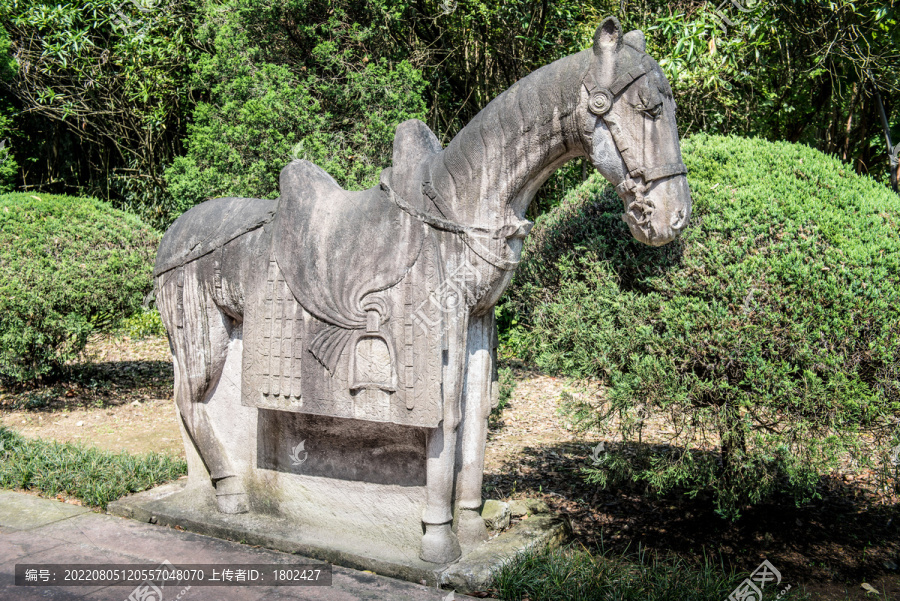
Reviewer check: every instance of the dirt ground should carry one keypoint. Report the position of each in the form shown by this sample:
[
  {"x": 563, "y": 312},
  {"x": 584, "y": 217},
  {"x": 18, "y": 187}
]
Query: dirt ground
[{"x": 121, "y": 399}]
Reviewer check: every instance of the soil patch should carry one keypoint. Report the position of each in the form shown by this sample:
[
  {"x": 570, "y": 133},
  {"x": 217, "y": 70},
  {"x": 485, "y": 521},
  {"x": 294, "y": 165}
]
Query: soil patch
[{"x": 118, "y": 398}]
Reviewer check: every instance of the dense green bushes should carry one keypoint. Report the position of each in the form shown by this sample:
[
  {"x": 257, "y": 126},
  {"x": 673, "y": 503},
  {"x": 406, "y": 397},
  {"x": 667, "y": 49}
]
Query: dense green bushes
[
  {"x": 332, "y": 104},
  {"x": 68, "y": 266},
  {"x": 770, "y": 329}
]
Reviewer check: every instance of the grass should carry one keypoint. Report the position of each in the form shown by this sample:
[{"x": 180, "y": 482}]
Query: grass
[
  {"x": 94, "y": 476},
  {"x": 577, "y": 575}
]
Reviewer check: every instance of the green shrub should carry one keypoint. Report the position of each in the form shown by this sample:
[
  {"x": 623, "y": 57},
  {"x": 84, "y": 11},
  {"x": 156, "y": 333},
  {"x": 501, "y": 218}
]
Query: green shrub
[
  {"x": 8, "y": 165},
  {"x": 770, "y": 329},
  {"x": 68, "y": 267},
  {"x": 96, "y": 477},
  {"x": 144, "y": 323}
]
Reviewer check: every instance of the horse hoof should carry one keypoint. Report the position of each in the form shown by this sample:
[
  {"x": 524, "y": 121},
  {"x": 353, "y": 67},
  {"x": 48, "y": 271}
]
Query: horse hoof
[
  {"x": 439, "y": 544},
  {"x": 233, "y": 503},
  {"x": 470, "y": 527},
  {"x": 230, "y": 496}
]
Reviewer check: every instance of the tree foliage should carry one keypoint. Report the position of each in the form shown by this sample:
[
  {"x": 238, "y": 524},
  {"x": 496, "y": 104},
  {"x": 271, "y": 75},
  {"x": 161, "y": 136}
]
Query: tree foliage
[
  {"x": 806, "y": 71},
  {"x": 111, "y": 75},
  {"x": 337, "y": 107},
  {"x": 105, "y": 90},
  {"x": 8, "y": 165}
]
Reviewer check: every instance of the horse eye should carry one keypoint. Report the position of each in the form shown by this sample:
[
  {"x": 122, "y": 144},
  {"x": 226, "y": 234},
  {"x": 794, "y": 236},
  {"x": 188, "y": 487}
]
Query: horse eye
[{"x": 653, "y": 112}]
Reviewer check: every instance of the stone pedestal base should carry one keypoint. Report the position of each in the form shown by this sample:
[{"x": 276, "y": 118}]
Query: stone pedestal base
[{"x": 194, "y": 509}]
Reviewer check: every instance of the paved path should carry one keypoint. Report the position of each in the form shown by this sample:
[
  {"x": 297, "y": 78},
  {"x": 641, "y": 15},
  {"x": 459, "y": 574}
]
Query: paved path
[{"x": 34, "y": 530}]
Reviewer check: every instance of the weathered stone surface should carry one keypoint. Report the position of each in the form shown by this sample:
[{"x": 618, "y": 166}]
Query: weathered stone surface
[
  {"x": 495, "y": 514},
  {"x": 470, "y": 528},
  {"x": 335, "y": 351},
  {"x": 520, "y": 507},
  {"x": 24, "y": 512},
  {"x": 174, "y": 504},
  {"x": 92, "y": 538},
  {"x": 475, "y": 571}
]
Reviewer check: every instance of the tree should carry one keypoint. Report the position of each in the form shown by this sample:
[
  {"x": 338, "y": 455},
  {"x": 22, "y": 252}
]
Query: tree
[
  {"x": 112, "y": 75},
  {"x": 8, "y": 166},
  {"x": 803, "y": 72},
  {"x": 285, "y": 84}
]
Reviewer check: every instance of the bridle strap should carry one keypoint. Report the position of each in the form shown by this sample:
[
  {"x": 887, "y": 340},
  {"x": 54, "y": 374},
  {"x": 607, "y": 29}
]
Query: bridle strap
[
  {"x": 615, "y": 89},
  {"x": 628, "y": 78},
  {"x": 620, "y": 84},
  {"x": 469, "y": 234},
  {"x": 664, "y": 171}
]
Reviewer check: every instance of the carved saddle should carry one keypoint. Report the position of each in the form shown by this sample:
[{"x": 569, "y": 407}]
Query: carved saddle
[{"x": 344, "y": 324}]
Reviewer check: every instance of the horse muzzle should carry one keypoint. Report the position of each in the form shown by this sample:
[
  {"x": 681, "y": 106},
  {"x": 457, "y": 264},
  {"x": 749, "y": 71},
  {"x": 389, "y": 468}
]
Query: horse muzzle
[{"x": 657, "y": 213}]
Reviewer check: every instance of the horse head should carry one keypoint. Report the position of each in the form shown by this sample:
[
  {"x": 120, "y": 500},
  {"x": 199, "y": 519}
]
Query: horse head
[{"x": 630, "y": 134}]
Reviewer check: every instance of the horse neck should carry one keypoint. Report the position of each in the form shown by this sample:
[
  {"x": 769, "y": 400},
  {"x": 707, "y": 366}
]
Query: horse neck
[{"x": 494, "y": 166}]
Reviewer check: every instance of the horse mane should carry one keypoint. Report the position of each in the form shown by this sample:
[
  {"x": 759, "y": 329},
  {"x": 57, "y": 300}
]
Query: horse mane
[{"x": 503, "y": 135}]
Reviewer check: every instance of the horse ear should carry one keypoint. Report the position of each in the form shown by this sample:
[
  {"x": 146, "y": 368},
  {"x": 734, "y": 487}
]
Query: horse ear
[
  {"x": 636, "y": 40},
  {"x": 608, "y": 36}
]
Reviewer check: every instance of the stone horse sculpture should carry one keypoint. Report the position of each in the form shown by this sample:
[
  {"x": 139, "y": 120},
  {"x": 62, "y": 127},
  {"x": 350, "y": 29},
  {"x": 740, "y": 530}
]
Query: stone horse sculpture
[{"x": 375, "y": 308}]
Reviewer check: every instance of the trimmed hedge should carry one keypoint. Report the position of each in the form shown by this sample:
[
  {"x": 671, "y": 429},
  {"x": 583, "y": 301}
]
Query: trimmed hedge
[
  {"x": 771, "y": 327},
  {"x": 68, "y": 267}
]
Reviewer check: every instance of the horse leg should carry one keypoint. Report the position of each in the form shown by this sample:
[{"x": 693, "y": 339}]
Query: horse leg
[
  {"x": 199, "y": 333},
  {"x": 439, "y": 543},
  {"x": 478, "y": 392}
]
